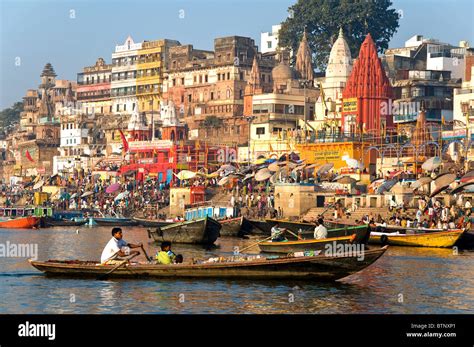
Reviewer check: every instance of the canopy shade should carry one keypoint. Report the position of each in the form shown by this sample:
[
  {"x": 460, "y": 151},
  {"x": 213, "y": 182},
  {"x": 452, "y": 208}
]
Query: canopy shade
[
  {"x": 431, "y": 164},
  {"x": 112, "y": 188}
]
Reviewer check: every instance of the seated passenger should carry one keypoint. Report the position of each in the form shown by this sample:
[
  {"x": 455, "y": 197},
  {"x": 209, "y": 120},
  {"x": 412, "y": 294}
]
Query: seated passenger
[{"x": 166, "y": 255}]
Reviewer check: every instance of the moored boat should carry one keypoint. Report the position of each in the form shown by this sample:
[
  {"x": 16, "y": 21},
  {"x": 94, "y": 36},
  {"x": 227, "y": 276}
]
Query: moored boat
[
  {"x": 201, "y": 231},
  {"x": 319, "y": 267},
  {"x": 114, "y": 221},
  {"x": 305, "y": 245},
  {"x": 422, "y": 239},
  {"x": 255, "y": 226},
  {"x": 28, "y": 222},
  {"x": 54, "y": 222},
  {"x": 362, "y": 231},
  {"x": 151, "y": 223},
  {"x": 231, "y": 226}
]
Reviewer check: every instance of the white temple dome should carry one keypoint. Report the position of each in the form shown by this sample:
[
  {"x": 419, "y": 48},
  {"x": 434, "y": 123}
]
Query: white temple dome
[{"x": 340, "y": 61}]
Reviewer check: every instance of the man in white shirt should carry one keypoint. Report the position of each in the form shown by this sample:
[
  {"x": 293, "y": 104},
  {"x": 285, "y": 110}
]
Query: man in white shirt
[
  {"x": 117, "y": 249},
  {"x": 277, "y": 234},
  {"x": 320, "y": 232}
]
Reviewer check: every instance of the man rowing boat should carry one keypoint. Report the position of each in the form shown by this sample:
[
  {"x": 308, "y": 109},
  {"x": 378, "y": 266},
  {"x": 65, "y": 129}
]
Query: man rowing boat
[
  {"x": 117, "y": 249},
  {"x": 277, "y": 233}
]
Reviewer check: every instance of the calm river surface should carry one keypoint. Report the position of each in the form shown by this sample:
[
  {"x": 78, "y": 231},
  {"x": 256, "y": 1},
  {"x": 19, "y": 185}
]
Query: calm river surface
[{"x": 404, "y": 280}]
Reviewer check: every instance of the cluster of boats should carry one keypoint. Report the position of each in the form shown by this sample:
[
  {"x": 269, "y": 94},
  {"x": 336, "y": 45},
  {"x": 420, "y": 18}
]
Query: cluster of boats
[{"x": 301, "y": 256}]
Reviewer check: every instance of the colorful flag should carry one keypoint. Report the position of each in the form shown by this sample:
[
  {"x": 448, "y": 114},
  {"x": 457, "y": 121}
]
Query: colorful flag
[
  {"x": 124, "y": 141},
  {"x": 28, "y": 155}
]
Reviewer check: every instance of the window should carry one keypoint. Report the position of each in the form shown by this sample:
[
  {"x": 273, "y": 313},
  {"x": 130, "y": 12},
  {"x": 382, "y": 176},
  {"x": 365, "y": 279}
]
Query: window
[
  {"x": 133, "y": 107},
  {"x": 260, "y": 131},
  {"x": 174, "y": 82},
  {"x": 228, "y": 57},
  {"x": 118, "y": 108},
  {"x": 189, "y": 97},
  {"x": 212, "y": 95},
  {"x": 228, "y": 75},
  {"x": 206, "y": 79},
  {"x": 200, "y": 78},
  {"x": 269, "y": 44},
  {"x": 195, "y": 79},
  {"x": 182, "y": 98},
  {"x": 182, "y": 81},
  {"x": 227, "y": 94},
  {"x": 241, "y": 76},
  {"x": 219, "y": 58},
  {"x": 125, "y": 107},
  {"x": 241, "y": 94}
]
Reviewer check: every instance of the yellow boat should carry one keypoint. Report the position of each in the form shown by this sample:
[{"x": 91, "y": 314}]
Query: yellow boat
[{"x": 426, "y": 239}]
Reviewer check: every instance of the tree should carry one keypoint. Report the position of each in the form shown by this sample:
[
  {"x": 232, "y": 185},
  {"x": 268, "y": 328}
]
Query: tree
[
  {"x": 212, "y": 122},
  {"x": 10, "y": 115},
  {"x": 323, "y": 18}
]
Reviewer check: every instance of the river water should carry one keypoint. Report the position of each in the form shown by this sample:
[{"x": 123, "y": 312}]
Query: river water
[{"x": 404, "y": 280}]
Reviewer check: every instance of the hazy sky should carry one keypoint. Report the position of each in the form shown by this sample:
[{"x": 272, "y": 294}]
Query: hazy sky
[{"x": 37, "y": 31}]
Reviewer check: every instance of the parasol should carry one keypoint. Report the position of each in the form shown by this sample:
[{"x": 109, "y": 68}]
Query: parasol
[
  {"x": 386, "y": 186},
  {"x": 185, "y": 175},
  {"x": 346, "y": 180},
  {"x": 325, "y": 168},
  {"x": 468, "y": 177},
  {"x": 431, "y": 164},
  {"x": 444, "y": 180},
  {"x": 439, "y": 190},
  {"x": 260, "y": 161},
  {"x": 263, "y": 175},
  {"x": 112, "y": 188},
  {"x": 86, "y": 194},
  {"x": 354, "y": 163},
  {"x": 73, "y": 196},
  {"x": 223, "y": 181},
  {"x": 376, "y": 183},
  {"x": 274, "y": 167},
  {"x": 122, "y": 195},
  {"x": 421, "y": 182},
  {"x": 248, "y": 176},
  {"x": 468, "y": 186},
  {"x": 38, "y": 185}
]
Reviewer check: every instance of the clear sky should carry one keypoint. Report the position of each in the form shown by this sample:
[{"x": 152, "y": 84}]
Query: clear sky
[{"x": 71, "y": 34}]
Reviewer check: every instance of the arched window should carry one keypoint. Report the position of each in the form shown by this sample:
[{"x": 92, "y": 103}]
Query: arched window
[{"x": 172, "y": 135}]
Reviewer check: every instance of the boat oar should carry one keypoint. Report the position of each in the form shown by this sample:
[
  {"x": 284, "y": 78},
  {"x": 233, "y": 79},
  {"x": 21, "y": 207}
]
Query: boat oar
[
  {"x": 103, "y": 277},
  {"x": 144, "y": 252},
  {"x": 292, "y": 233},
  {"x": 254, "y": 244}
]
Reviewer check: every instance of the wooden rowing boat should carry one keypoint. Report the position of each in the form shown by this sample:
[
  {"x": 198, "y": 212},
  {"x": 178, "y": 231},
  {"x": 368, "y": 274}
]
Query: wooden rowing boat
[
  {"x": 466, "y": 240},
  {"x": 320, "y": 267},
  {"x": 255, "y": 226},
  {"x": 362, "y": 231},
  {"x": 231, "y": 227},
  {"x": 28, "y": 222},
  {"x": 305, "y": 245},
  {"x": 114, "y": 221},
  {"x": 426, "y": 239},
  {"x": 151, "y": 223},
  {"x": 201, "y": 231},
  {"x": 53, "y": 222}
]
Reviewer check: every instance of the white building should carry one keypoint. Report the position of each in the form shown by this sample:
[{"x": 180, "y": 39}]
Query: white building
[
  {"x": 269, "y": 40},
  {"x": 124, "y": 77},
  {"x": 329, "y": 104}
]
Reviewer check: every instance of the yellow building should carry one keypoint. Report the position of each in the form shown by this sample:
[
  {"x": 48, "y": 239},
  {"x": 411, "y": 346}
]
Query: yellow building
[
  {"x": 150, "y": 66},
  {"x": 333, "y": 152}
]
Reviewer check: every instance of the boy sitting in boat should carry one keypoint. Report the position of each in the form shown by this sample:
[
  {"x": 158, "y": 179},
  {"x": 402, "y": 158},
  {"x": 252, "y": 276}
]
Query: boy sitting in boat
[
  {"x": 277, "y": 233},
  {"x": 166, "y": 255},
  {"x": 117, "y": 249}
]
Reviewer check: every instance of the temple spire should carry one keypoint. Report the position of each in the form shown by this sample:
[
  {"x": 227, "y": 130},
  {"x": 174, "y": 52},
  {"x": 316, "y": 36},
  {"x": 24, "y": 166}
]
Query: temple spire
[
  {"x": 304, "y": 63},
  {"x": 255, "y": 79}
]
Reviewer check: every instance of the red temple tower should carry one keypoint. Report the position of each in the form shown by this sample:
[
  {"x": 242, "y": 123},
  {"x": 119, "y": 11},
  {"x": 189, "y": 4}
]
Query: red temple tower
[{"x": 366, "y": 97}]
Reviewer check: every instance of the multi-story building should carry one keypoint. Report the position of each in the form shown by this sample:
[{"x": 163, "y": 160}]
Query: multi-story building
[
  {"x": 124, "y": 78},
  {"x": 150, "y": 66},
  {"x": 208, "y": 87},
  {"x": 424, "y": 73},
  {"x": 93, "y": 88},
  {"x": 269, "y": 40}
]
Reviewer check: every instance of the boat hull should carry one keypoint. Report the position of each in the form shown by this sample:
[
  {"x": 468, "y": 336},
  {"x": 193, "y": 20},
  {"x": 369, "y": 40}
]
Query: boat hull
[
  {"x": 323, "y": 268},
  {"x": 443, "y": 239},
  {"x": 202, "y": 231},
  {"x": 231, "y": 227},
  {"x": 305, "y": 245},
  {"x": 362, "y": 231},
  {"x": 20, "y": 223},
  {"x": 151, "y": 223},
  {"x": 255, "y": 226},
  {"x": 118, "y": 222},
  {"x": 51, "y": 222}
]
